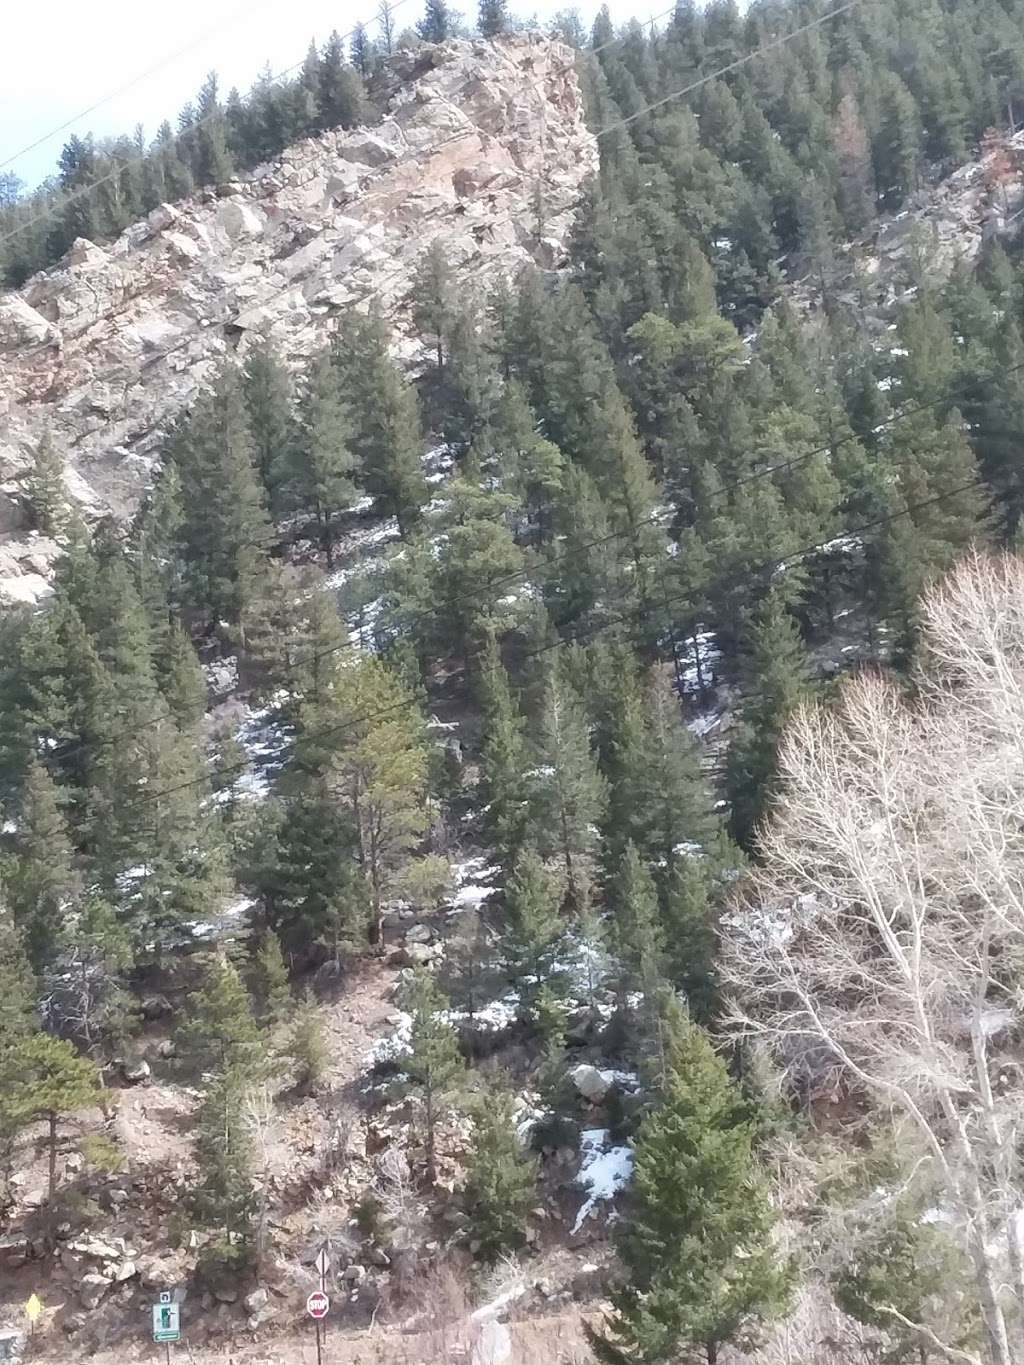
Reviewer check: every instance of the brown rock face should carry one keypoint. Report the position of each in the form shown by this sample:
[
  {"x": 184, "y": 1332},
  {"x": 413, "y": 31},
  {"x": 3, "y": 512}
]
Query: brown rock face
[{"x": 109, "y": 345}]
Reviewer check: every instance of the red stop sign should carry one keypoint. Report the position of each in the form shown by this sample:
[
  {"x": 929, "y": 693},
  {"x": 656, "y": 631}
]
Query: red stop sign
[{"x": 318, "y": 1304}]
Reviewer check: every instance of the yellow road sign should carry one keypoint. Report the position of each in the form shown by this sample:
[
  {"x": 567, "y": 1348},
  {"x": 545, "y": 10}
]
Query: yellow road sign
[{"x": 33, "y": 1309}]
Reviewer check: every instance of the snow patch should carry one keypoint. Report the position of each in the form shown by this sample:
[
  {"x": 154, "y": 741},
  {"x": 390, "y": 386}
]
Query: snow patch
[{"x": 604, "y": 1171}]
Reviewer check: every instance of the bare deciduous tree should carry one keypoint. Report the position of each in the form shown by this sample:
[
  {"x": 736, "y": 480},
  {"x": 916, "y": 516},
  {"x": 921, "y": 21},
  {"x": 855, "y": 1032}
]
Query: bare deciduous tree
[{"x": 884, "y": 934}]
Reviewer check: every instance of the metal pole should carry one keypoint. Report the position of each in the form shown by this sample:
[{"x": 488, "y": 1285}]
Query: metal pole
[
  {"x": 167, "y": 1348},
  {"x": 319, "y": 1357}
]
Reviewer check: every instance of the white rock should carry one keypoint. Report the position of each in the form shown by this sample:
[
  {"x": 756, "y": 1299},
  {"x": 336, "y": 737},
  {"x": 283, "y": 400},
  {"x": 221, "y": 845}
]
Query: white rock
[{"x": 592, "y": 1084}]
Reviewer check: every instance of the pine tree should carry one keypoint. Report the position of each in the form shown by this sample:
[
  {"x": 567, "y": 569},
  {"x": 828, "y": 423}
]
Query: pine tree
[
  {"x": 437, "y": 23},
  {"x": 572, "y": 792},
  {"x": 340, "y": 94},
  {"x": 377, "y": 768},
  {"x": 434, "y": 307},
  {"x": 503, "y": 762},
  {"x": 311, "y": 890},
  {"x": 268, "y": 400},
  {"x": 689, "y": 920},
  {"x": 181, "y": 679},
  {"x": 434, "y": 1061},
  {"x": 308, "y": 1045},
  {"x": 226, "y": 532},
  {"x": 385, "y": 417},
  {"x": 492, "y": 18},
  {"x": 272, "y": 991},
  {"x": 43, "y": 1078},
  {"x": 779, "y": 680},
  {"x": 533, "y": 931},
  {"x": 697, "y": 1248},
  {"x": 638, "y": 930},
  {"x": 42, "y": 879},
  {"x": 325, "y": 481},
  {"x": 222, "y": 1194},
  {"x": 218, "y": 1031},
  {"x": 47, "y": 491},
  {"x": 501, "y": 1181}
]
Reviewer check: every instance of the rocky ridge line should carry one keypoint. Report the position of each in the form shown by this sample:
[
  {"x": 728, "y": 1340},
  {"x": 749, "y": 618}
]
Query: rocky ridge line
[{"x": 108, "y": 346}]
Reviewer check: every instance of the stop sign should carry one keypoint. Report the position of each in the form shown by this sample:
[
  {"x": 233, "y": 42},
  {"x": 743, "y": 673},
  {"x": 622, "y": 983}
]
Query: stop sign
[{"x": 317, "y": 1304}]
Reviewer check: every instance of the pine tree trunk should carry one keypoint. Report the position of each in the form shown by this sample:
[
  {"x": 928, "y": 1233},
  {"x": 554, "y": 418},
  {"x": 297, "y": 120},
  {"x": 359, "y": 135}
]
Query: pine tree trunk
[
  {"x": 712, "y": 1349},
  {"x": 431, "y": 1154}
]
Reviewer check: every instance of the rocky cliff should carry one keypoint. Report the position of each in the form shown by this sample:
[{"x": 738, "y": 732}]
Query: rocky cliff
[{"x": 483, "y": 147}]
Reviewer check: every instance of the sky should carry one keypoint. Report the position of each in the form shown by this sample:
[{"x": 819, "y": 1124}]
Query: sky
[{"x": 62, "y": 57}]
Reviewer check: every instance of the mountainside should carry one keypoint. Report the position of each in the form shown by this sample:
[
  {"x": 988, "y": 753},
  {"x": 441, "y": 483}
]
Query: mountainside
[
  {"x": 476, "y": 814},
  {"x": 483, "y": 148}
]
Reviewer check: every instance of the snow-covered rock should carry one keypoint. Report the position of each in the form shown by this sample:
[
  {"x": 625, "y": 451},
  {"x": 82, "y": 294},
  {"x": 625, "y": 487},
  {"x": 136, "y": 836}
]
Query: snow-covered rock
[{"x": 605, "y": 1171}]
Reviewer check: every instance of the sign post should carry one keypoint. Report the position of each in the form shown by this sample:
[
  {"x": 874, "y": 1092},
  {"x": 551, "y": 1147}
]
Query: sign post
[
  {"x": 33, "y": 1308},
  {"x": 317, "y": 1306},
  {"x": 166, "y": 1322}
]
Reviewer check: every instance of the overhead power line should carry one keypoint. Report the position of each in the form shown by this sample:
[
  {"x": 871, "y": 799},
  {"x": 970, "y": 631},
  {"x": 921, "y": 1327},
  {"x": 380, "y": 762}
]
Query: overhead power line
[
  {"x": 775, "y": 43},
  {"x": 243, "y": 12},
  {"x": 642, "y": 612}
]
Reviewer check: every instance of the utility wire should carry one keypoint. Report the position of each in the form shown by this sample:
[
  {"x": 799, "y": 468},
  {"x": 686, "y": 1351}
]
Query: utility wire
[
  {"x": 243, "y": 12},
  {"x": 546, "y": 567},
  {"x": 639, "y": 113},
  {"x": 83, "y": 190},
  {"x": 587, "y": 633}
]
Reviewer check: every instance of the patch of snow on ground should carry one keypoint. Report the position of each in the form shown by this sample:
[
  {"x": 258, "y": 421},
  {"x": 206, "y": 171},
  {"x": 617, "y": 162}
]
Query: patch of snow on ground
[
  {"x": 232, "y": 922},
  {"x": 395, "y": 1045},
  {"x": 266, "y": 741},
  {"x": 604, "y": 1171},
  {"x": 469, "y": 878}
]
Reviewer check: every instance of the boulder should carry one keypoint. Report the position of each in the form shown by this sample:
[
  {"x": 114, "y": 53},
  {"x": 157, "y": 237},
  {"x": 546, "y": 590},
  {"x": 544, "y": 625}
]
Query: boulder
[
  {"x": 591, "y": 1083},
  {"x": 12, "y": 1344},
  {"x": 354, "y": 1274},
  {"x": 21, "y": 325},
  {"x": 257, "y": 1300},
  {"x": 225, "y": 1293},
  {"x": 418, "y": 933},
  {"x": 136, "y": 1070},
  {"x": 15, "y": 1250},
  {"x": 415, "y": 955},
  {"x": 92, "y": 1289}
]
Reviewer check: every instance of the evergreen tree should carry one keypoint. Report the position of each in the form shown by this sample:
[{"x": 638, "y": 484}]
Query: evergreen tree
[
  {"x": 438, "y": 22},
  {"x": 697, "y": 1248},
  {"x": 43, "y": 1078},
  {"x": 779, "y": 679},
  {"x": 492, "y": 18},
  {"x": 268, "y": 400},
  {"x": 501, "y": 1181},
  {"x": 218, "y": 1031},
  {"x": 47, "y": 491},
  {"x": 638, "y": 931},
  {"x": 308, "y": 1045},
  {"x": 434, "y": 1061},
  {"x": 273, "y": 994},
  {"x": 42, "y": 879},
  {"x": 503, "y": 762},
  {"x": 689, "y": 918},
  {"x": 385, "y": 417},
  {"x": 534, "y": 931},
  {"x": 376, "y": 768},
  {"x": 572, "y": 794},
  {"x": 88, "y": 999},
  {"x": 222, "y": 1195},
  {"x": 226, "y": 531},
  {"x": 325, "y": 475}
]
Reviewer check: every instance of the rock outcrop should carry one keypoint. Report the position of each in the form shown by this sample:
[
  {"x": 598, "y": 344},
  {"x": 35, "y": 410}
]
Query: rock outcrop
[{"x": 479, "y": 141}]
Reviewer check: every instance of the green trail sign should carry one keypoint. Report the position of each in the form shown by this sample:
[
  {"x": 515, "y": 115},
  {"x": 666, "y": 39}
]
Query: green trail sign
[{"x": 166, "y": 1321}]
